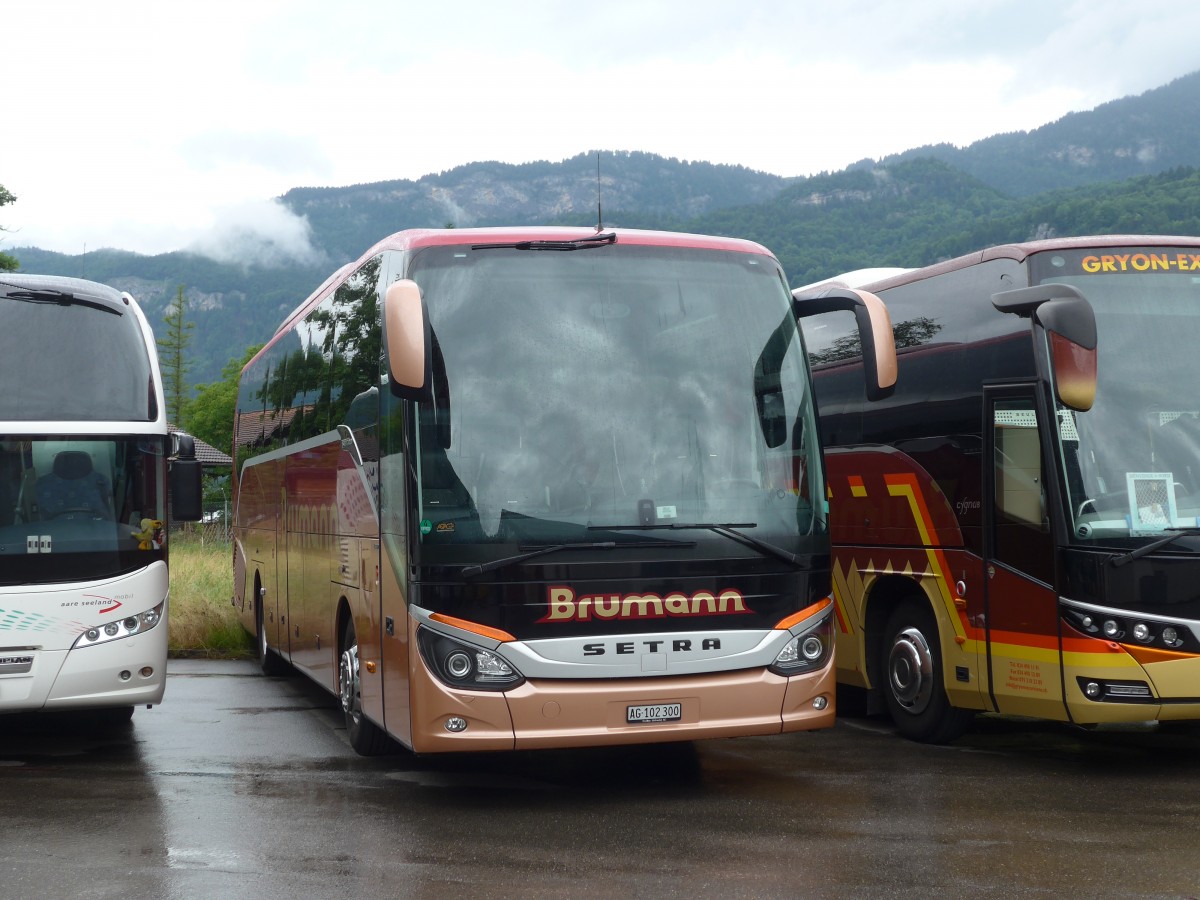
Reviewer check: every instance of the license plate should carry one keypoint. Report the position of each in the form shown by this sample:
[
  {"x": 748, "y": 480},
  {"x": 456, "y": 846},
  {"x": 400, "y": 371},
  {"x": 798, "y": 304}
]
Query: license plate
[{"x": 654, "y": 712}]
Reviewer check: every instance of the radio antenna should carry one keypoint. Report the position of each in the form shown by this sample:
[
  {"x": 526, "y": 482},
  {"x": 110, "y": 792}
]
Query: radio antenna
[{"x": 599, "y": 212}]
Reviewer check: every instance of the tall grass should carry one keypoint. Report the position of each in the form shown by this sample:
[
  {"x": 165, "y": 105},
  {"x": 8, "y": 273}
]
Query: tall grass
[{"x": 202, "y": 621}]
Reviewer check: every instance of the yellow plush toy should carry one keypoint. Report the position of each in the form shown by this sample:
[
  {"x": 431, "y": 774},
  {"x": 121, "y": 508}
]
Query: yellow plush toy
[{"x": 150, "y": 536}]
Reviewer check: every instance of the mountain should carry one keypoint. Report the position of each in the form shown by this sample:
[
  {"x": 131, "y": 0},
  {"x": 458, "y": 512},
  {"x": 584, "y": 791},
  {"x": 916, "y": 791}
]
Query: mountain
[
  {"x": 1144, "y": 135},
  {"x": 347, "y": 220},
  {"x": 1127, "y": 166}
]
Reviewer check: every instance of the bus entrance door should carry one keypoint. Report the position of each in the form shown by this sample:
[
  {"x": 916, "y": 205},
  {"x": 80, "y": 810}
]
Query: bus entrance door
[{"x": 1023, "y": 661}]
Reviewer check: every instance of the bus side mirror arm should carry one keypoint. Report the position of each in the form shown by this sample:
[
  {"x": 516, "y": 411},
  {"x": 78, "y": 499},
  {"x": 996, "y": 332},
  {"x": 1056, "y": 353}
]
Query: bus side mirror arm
[
  {"x": 1070, "y": 325},
  {"x": 874, "y": 331}
]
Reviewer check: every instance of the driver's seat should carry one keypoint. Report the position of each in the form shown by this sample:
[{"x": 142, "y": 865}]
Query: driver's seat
[{"x": 74, "y": 486}]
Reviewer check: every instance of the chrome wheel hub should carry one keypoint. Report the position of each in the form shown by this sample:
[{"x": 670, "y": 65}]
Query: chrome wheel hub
[
  {"x": 348, "y": 680},
  {"x": 910, "y": 671}
]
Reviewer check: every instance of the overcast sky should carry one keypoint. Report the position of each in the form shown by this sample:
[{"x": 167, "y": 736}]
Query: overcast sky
[{"x": 155, "y": 126}]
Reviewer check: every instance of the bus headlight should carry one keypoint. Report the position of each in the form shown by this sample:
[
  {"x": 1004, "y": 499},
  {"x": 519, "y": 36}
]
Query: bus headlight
[
  {"x": 127, "y": 627},
  {"x": 462, "y": 665},
  {"x": 807, "y": 651}
]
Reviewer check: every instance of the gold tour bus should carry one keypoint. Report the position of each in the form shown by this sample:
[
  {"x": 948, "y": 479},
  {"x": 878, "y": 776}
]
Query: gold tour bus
[{"x": 544, "y": 487}]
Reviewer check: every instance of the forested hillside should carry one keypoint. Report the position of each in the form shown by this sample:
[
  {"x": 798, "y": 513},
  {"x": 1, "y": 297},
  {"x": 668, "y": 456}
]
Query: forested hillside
[
  {"x": 347, "y": 220},
  {"x": 1154, "y": 132},
  {"x": 920, "y": 211}
]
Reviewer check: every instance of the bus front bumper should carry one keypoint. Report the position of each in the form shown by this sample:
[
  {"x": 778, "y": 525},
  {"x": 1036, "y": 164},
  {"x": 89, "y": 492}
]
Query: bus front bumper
[
  {"x": 547, "y": 714},
  {"x": 127, "y": 672}
]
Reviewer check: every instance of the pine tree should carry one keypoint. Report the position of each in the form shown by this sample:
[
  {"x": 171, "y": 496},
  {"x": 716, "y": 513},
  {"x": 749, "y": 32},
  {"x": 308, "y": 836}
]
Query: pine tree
[{"x": 172, "y": 356}]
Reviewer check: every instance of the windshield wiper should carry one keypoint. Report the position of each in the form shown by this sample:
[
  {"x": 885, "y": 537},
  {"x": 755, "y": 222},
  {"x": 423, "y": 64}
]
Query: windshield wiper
[
  {"x": 587, "y": 243},
  {"x": 492, "y": 565},
  {"x": 725, "y": 529},
  {"x": 1175, "y": 534},
  {"x": 62, "y": 298}
]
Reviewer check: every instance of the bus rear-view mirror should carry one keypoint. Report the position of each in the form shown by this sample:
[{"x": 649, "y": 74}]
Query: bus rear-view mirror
[
  {"x": 1070, "y": 325},
  {"x": 874, "y": 331},
  {"x": 406, "y": 333}
]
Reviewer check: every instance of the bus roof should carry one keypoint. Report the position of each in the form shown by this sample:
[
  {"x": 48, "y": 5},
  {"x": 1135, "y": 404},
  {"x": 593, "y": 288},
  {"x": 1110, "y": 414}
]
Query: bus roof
[
  {"x": 1018, "y": 251},
  {"x": 78, "y": 287},
  {"x": 415, "y": 238}
]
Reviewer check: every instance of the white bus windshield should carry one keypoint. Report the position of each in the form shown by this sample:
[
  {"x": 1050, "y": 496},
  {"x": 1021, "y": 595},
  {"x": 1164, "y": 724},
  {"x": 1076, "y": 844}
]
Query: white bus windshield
[
  {"x": 78, "y": 508},
  {"x": 71, "y": 357},
  {"x": 609, "y": 387},
  {"x": 1132, "y": 462}
]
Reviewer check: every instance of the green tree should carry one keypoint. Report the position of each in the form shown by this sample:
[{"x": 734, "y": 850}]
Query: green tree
[
  {"x": 172, "y": 354},
  {"x": 210, "y": 413},
  {"x": 8, "y": 263}
]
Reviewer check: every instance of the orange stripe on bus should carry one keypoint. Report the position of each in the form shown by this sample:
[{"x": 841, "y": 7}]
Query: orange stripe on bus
[
  {"x": 785, "y": 624},
  {"x": 1150, "y": 655},
  {"x": 494, "y": 633}
]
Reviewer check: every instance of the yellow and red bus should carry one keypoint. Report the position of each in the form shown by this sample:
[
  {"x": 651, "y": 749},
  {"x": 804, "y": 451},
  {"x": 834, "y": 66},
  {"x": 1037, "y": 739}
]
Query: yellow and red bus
[
  {"x": 544, "y": 487},
  {"x": 1016, "y": 528}
]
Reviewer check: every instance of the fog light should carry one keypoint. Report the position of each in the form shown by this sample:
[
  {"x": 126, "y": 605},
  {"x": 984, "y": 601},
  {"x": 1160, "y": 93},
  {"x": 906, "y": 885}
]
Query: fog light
[
  {"x": 458, "y": 664},
  {"x": 1170, "y": 636},
  {"x": 125, "y": 675},
  {"x": 146, "y": 671},
  {"x": 1092, "y": 690},
  {"x": 455, "y": 724},
  {"x": 1141, "y": 631},
  {"x": 819, "y": 703},
  {"x": 1111, "y": 628}
]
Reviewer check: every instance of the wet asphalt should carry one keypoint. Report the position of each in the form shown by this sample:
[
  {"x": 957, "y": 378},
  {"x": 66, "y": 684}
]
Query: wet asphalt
[{"x": 244, "y": 786}]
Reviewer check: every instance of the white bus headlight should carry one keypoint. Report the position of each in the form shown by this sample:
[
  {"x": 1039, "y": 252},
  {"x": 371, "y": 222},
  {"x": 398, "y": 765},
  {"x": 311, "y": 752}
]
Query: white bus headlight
[{"x": 127, "y": 627}]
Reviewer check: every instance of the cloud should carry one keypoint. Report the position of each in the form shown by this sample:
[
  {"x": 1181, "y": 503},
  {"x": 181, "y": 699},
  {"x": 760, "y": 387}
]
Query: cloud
[{"x": 258, "y": 232}]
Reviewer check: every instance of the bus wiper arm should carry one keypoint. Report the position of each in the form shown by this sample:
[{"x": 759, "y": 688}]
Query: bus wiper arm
[
  {"x": 492, "y": 565},
  {"x": 62, "y": 298},
  {"x": 730, "y": 530},
  {"x": 1175, "y": 534},
  {"x": 587, "y": 243}
]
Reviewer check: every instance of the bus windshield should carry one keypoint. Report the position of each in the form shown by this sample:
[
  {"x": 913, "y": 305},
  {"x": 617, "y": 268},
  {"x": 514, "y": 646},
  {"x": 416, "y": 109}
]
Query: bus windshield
[
  {"x": 78, "y": 508},
  {"x": 71, "y": 357},
  {"x": 612, "y": 388},
  {"x": 1132, "y": 462}
]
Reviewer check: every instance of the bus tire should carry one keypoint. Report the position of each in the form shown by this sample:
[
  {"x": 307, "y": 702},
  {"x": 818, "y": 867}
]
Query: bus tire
[
  {"x": 269, "y": 661},
  {"x": 367, "y": 738},
  {"x": 913, "y": 678}
]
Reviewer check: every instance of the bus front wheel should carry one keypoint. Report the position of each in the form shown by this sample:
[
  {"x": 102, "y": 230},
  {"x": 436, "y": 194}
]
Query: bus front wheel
[
  {"x": 269, "y": 661},
  {"x": 366, "y": 738},
  {"x": 913, "y": 678}
]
